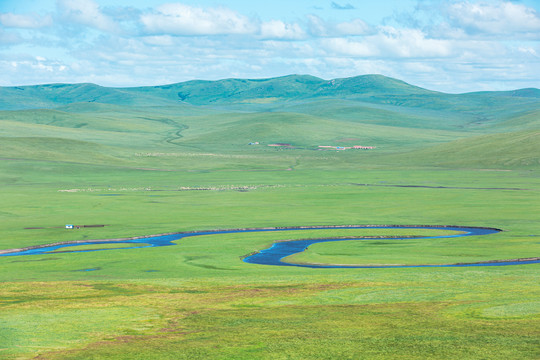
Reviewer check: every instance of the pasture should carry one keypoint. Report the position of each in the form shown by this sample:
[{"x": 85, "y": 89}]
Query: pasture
[{"x": 160, "y": 169}]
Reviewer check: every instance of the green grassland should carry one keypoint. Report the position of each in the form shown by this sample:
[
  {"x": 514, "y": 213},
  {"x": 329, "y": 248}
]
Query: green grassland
[
  {"x": 95, "y": 247},
  {"x": 144, "y": 161}
]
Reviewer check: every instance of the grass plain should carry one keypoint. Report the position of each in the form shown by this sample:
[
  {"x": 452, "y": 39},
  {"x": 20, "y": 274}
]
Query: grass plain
[{"x": 167, "y": 166}]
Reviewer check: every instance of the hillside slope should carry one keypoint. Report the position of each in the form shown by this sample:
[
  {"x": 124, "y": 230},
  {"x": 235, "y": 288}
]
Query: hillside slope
[
  {"x": 504, "y": 151},
  {"x": 371, "y": 88},
  {"x": 406, "y": 124}
]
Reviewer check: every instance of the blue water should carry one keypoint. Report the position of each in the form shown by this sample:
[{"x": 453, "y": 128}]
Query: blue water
[{"x": 280, "y": 250}]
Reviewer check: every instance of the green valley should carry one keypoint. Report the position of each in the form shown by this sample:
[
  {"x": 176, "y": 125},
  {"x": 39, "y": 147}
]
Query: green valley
[{"x": 238, "y": 153}]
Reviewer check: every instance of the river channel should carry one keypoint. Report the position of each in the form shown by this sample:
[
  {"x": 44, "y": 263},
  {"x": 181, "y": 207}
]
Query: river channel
[{"x": 279, "y": 250}]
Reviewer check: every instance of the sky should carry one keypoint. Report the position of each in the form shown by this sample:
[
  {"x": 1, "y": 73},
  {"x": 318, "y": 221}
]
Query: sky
[{"x": 452, "y": 46}]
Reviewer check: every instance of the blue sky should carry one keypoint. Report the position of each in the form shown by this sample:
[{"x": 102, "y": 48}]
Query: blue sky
[{"x": 446, "y": 45}]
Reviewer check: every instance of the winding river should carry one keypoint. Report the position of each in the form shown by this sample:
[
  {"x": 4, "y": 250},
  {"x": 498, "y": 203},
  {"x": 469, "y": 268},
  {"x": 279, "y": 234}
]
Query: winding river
[{"x": 279, "y": 250}]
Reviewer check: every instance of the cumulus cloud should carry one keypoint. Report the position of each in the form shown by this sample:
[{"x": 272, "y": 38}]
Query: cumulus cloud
[
  {"x": 354, "y": 27},
  {"x": 494, "y": 18},
  {"x": 410, "y": 43},
  {"x": 348, "y": 47},
  {"x": 390, "y": 42},
  {"x": 277, "y": 29},
  {"x": 317, "y": 26},
  {"x": 449, "y": 40},
  {"x": 180, "y": 19},
  {"x": 528, "y": 51},
  {"x": 88, "y": 13},
  {"x": 321, "y": 28},
  {"x": 28, "y": 67},
  {"x": 292, "y": 49},
  {"x": 29, "y": 21}
]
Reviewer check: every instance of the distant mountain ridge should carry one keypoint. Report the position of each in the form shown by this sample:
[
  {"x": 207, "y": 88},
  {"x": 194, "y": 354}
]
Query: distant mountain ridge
[
  {"x": 371, "y": 88},
  {"x": 406, "y": 124}
]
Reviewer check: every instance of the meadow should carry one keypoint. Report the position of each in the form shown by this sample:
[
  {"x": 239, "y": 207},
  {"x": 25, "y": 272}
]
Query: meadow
[{"x": 140, "y": 163}]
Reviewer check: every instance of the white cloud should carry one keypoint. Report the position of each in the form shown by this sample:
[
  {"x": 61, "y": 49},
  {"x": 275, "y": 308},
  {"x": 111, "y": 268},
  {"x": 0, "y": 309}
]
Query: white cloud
[
  {"x": 494, "y": 18},
  {"x": 410, "y": 43},
  {"x": 320, "y": 28},
  {"x": 390, "y": 42},
  {"x": 29, "y": 21},
  {"x": 347, "y": 47},
  {"x": 442, "y": 44},
  {"x": 180, "y": 19},
  {"x": 277, "y": 29},
  {"x": 29, "y": 68},
  {"x": 317, "y": 26},
  {"x": 88, "y": 13},
  {"x": 528, "y": 51},
  {"x": 355, "y": 27},
  {"x": 288, "y": 49}
]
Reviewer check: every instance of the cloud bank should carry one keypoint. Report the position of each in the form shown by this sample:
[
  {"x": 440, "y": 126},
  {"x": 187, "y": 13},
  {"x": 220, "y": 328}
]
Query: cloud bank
[{"x": 453, "y": 46}]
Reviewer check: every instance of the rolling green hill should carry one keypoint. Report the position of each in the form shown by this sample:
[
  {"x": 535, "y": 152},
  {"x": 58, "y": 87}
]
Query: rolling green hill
[
  {"x": 303, "y": 111},
  {"x": 506, "y": 151},
  {"x": 370, "y": 88},
  {"x": 54, "y": 95}
]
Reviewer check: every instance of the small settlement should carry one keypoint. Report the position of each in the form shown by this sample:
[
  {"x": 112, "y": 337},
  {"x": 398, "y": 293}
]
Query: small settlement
[
  {"x": 357, "y": 147},
  {"x": 279, "y": 144},
  {"x": 320, "y": 147}
]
